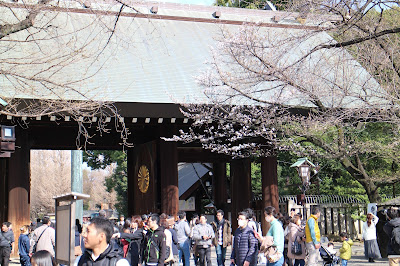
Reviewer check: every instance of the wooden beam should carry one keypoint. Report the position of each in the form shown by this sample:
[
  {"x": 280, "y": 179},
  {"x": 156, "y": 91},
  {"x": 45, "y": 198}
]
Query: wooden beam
[{"x": 200, "y": 155}]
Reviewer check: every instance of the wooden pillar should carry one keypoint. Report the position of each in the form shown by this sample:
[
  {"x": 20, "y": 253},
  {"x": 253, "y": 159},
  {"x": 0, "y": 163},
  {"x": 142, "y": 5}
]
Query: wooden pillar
[
  {"x": 19, "y": 185},
  {"x": 240, "y": 187},
  {"x": 3, "y": 189},
  {"x": 220, "y": 186},
  {"x": 270, "y": 195},
  {"x": 132, "y": 180},
  {"x": 168, "y": 176}
]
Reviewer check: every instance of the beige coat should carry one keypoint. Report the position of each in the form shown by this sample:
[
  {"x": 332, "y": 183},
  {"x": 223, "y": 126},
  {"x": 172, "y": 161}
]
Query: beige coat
[
  {"x": 295, "y": 231},
  {"x": 47, "y": 241}
]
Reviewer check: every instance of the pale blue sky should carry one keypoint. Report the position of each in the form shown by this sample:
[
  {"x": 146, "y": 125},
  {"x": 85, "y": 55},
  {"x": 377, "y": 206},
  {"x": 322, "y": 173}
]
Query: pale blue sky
[{"x": 193, "y": 2}]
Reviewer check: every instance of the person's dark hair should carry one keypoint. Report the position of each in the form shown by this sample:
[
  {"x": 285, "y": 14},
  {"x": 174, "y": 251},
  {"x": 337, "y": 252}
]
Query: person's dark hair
[
  {"x": 43, "y": 258},
  {"x": 137, "y": 219},
  {"x": 393, "y": 213},
  {"x": 343, "y": 234},
  {"x": 46, "y": 220},
  {"x": 221, "y": 212},
  {"x": 127, "y": 224},
  {"x": 250, "y": 212},
  {"x": 245, "y": 214},
  {"x": 78, "y": 226},
  {"x": 299, "y": 214},
  {"x": 164, "y": 223},
  {"x": 331, "y": 244},
  {"x": 6, "y": 224},
  {"x": 195, "y": 215},
  {"x": 145, "y": 217},
  {"x": 202, "y": 215},
  {"x": 285, "y": 220},
  {"x": 369, "y": 219},
  {"x": 181, "y": 214},
  {"x": 315, "y": 210},
  {"x": 269, "y": 210},
  {"x": 104, "y": 226},
  {"x": 155, "y": 217},
  {"x": 292, "y": 209}
]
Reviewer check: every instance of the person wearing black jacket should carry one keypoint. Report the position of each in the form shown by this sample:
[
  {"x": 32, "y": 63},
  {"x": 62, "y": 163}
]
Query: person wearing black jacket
[
  {"x": 6, "y": 243},
  {"x": 245, "y": 245},
  {"x": 98, "y": 250},
  {"x": 134, "y": 246},
  {"x": 153, "y": 247},
  {"x": 393, "y": 214}
]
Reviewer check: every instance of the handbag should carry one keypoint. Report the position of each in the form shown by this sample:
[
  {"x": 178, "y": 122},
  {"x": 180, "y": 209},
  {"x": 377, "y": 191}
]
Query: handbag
[
  {"x": 271, "y": 252},
  {"x": 296, "y": 248}
]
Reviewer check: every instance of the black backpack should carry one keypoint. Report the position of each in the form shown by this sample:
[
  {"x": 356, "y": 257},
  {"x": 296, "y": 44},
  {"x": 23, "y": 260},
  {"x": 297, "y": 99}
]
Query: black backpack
[{"x": 395, "y": 240}]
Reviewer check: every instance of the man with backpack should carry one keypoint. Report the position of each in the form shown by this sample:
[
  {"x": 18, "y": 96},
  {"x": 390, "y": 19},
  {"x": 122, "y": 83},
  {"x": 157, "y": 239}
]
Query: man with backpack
[
  {"x": 154, "y": 246},
  {"x": 392, "y": 229}
]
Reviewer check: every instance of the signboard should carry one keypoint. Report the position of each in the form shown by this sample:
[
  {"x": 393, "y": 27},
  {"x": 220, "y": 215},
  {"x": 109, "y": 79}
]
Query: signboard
[
  {"x": 63, "y": 234},
  {"x": 188, "y": 205},
  {"x": 372, "y": 208}
]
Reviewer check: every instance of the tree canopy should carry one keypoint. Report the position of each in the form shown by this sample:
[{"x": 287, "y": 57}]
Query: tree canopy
[
  {"x": 118, "y": 180},
  {"x": 330, "y": 93}
]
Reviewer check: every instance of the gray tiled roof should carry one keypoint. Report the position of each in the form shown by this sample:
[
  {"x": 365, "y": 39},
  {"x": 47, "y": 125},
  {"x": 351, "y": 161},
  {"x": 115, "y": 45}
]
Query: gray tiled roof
[
  {"x": 147, "y": 60},
  {"x": 189, "y": 174}
]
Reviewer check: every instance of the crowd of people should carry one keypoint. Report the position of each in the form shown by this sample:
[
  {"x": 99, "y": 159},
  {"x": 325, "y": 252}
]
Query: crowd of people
[{"x": 158, "y": 240}]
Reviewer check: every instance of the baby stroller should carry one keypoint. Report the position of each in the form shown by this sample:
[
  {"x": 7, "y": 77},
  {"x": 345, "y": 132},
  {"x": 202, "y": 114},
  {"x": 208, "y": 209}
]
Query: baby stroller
[{"x": 328, "y": 258}]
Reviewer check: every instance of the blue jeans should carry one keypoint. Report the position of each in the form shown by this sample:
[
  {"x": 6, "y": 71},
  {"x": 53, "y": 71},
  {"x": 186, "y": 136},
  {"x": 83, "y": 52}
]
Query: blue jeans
[
  {"x": 184, "y": 250},
  {"x": 25, "y": 260},
  {"x": 344, "y": 262},
  {"x": 277, "y": 263},
  {"x": 299, "y": 262},
  {"x": 221, "y": 254}
]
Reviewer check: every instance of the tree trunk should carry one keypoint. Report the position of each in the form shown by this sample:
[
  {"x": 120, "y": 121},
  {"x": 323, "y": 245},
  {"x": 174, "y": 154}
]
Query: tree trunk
[{"x": 358, "y": 173}]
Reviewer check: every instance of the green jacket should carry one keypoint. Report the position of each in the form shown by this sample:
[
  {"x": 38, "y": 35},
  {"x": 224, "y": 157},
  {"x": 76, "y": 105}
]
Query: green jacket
[{"x": 345, "y": 250}]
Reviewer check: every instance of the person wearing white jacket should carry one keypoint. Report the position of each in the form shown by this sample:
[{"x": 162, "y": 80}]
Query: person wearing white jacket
[{"x": 371, "y": 248}]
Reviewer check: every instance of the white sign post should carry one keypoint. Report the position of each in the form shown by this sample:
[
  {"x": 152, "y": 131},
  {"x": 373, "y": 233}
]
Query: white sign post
[{"x": 65, "y": 226}]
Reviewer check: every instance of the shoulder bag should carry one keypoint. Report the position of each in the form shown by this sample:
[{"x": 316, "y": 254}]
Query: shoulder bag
[{"x": 37, "y": 241}]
